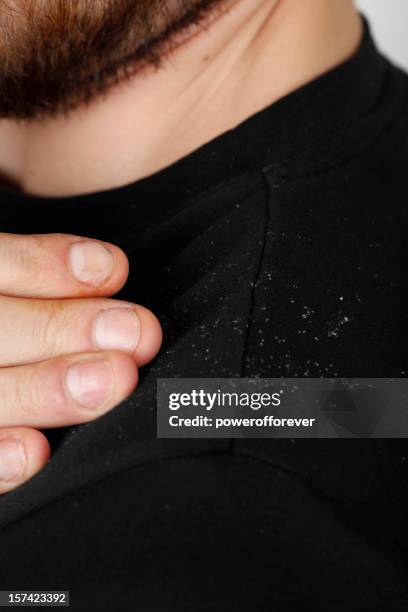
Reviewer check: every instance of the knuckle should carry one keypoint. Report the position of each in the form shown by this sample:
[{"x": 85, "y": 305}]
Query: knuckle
[
  {"x": 49, "y": 329},
  {"x": 25, "y": 400},
  {"x": 37, "y": 391},
  {"x": 32, "y": 260}
]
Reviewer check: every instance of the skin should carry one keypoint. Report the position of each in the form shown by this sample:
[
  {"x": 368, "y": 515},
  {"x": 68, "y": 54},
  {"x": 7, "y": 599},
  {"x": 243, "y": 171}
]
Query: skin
[{"x": 252, "y": 55}]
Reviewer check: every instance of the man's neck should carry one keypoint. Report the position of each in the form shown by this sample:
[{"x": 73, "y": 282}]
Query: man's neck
[{"x": 255, "y": 53}]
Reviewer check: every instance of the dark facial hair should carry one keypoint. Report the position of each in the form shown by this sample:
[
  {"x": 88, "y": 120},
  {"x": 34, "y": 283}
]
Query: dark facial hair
[{"x": 56, "y": 55}]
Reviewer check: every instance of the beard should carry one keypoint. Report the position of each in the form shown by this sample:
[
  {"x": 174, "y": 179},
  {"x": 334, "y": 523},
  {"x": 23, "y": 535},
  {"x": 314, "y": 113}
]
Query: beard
[{"x": 56, "y": 55}]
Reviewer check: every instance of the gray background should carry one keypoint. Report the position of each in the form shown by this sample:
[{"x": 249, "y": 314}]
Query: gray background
[{"x": 389, "y": 21}]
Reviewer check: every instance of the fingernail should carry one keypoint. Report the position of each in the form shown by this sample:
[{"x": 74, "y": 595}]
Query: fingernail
[
  {"x": 90, "y": 383},
  {"x": 91, "y": 263},
  {"x": 12, "y": 459},
  {"x": 117, "y": 329}
]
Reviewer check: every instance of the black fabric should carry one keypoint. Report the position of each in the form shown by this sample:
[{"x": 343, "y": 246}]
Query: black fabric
[{"x": 302, "y": 208}]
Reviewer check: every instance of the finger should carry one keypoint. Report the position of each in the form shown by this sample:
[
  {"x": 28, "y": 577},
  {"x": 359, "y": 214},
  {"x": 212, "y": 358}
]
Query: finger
[
  {"x": 60, "y": 265},
  {"x": 65, "y": 390},
  {"x": 36, "y": 330},
  {"x": 23, "y": 452}
]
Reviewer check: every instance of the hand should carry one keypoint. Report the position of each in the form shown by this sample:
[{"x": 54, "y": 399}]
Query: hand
[{"x": 63, "y": 361}]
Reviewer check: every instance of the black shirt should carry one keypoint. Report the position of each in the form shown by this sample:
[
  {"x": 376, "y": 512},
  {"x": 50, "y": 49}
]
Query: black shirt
[{"x": 301, "y": 207}]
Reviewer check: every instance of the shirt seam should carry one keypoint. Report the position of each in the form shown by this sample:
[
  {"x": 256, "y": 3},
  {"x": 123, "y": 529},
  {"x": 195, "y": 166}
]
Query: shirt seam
[
  {"x": 377, "y": 140},
  {"x": 225, "y": 452},
  {"x": 259, "y": 267}
]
